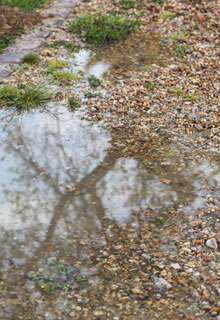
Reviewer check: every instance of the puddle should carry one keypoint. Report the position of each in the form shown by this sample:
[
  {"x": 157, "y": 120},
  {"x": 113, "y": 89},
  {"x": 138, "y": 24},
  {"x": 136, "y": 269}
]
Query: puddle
[
  {"x": 58, "y": 173},
  {"x": 136, "y": 52},
  {"x": 60, "y": 181}
]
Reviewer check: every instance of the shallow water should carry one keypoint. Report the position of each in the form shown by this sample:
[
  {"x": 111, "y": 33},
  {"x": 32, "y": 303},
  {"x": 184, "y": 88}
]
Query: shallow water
[{"x": 59, "y": 175}]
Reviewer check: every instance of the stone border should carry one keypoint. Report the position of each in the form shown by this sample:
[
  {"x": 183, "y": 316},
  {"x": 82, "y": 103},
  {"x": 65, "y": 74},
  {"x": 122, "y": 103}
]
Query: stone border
[{"x": 35, "y": 38}]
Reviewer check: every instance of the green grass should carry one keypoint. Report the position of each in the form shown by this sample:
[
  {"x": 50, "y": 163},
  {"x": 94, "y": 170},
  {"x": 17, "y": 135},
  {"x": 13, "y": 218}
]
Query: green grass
[
  {"x": 169, "y": 154},
  {"x": 63, "y": 77},
  {"x": 89, "y": 94},
  {"x": 168, "y": 15},
  {"x": 22, "y": 98},
  {"x": 55, "y": 65},
  {"x": 159, "y": 1},
  {"x": 150, "y": 85},
  {"x": 71, "y": 47},
  {"x": 190, "y": 97},
  {"x": 93, "y": 81},
  {"x": 177, "y": 37},
  {"x": 99, "y": 29},
  {"x": 31, "y": 58},
  {"x": 6, "y": 40},
  {"x": 26, "y": 5},
  {"x": 130, "y": 4},
  {"x": 180, "y": 50},
  {"x": 177, "y": 92},
  {"x": 73, "y": 103}
]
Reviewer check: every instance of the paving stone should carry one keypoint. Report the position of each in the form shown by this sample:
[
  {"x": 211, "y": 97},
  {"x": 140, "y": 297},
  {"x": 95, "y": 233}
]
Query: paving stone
[
  {"x": 39, "y": 33},
  {"x": 12, "y": 57},
  {"x": 5, "y": 71},
  {"x": 52, "y": 22},
  {"x": 26, "y": 45},
  {"x": 56, "y": 12}
]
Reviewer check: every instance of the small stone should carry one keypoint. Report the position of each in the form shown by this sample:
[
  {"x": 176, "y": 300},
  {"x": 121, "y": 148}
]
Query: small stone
[
  {"x": 175, "y": 266},
  {"x": 136, "y": 291},
  {"x": 161, "y": 283},
  {"x": 212, "y": 243}
]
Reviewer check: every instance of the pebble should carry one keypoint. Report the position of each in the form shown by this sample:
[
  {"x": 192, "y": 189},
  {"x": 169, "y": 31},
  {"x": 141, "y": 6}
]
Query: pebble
[
  {"x": 212, "y": 243},
  {"x": 161, "y": 284},
  {"x": 175, "y": 266}
]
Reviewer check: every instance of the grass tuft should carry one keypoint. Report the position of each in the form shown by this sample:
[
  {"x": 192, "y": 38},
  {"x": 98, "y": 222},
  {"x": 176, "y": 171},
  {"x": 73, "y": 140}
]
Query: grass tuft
[
  {"x": 63, "y": 77},
  {"x": 22, "y": 98},
  {"x": 93, "y": 81},
  {"x": 73, "y": 103},
  {"x": 99, "y": 29},
  {"x": 168, "y": 15},
  {"x": 180, "y": 50},
  {"x": 31, "y": 58},
  {"x": 150, "y": 85}
]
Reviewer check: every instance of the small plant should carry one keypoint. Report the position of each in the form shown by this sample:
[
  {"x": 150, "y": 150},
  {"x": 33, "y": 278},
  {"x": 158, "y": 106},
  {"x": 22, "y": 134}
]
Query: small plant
[
  {"x": 180, "y": 50},
  {"x": 57, "y": 275},
  {"x": 61, "y": 43},
  {"x": 23, "y": 98},
  {"x": 5, "y": 40},
  {"x": 57, "y": 64},
  {"x": 130, "y": 4},
  {"x": 177, "y": 91},
  {"x": 190, "y": 97},
  {"x": 90, "y": 94},
  {"x": 54, "y": 65},
  {"x": 148, "y": 68},
  {"x": 169, "y": 154},
  {"x": 168, "y": 15},
  {"x": 179, "y": 36},
  {"x": 93, "y": 81},
  {"x": 159, "y": 1},
  {"x": 99, "y": 29},
  {"x": 150, "y": 85},
  {"x": 31, "y": 58},
  {"x": 73, "y": 103},
  {"x": 63, "y": 77}
]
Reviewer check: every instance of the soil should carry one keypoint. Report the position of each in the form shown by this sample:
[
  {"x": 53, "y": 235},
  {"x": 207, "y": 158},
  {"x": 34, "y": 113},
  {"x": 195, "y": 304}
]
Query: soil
[{"x": 13, "y": 20}]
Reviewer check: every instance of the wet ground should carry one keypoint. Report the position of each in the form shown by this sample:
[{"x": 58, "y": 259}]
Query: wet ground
[{"x": 125, "y": 218}]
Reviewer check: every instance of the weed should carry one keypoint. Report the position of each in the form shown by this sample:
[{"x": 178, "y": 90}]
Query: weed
[
  {"x": 180, "y": 49},
  {"x": 159, "y": 1},
  {"x": 56, "y": 65},
  {"x": 5, "y": 40},
  {"x": 93, "y": 81},
  {"x": 169, "y": 154},
  {"x": 23, "y": 98},
  {"x": 26, "y": 5},
  {"x": 63, "y": 77},
  {"x": 31, "y": 58},
  {"x": 68, "y": 45},
  {"x": 73, "y": 103},
  {"x": 130, "y": 4},
  {"x": 168, "y": 15},
  {"x": 190, "y": 97},
  {"x": 90, "y": 94},
  {"x": 150, "y": 85},
  {"x": 157, "y": 221},
  {"x": 148, "y": 68},
  {"x": 179, "y": 36},
  {"x": 99, "y": 29},
  {"x": 177, "y": 91}
]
